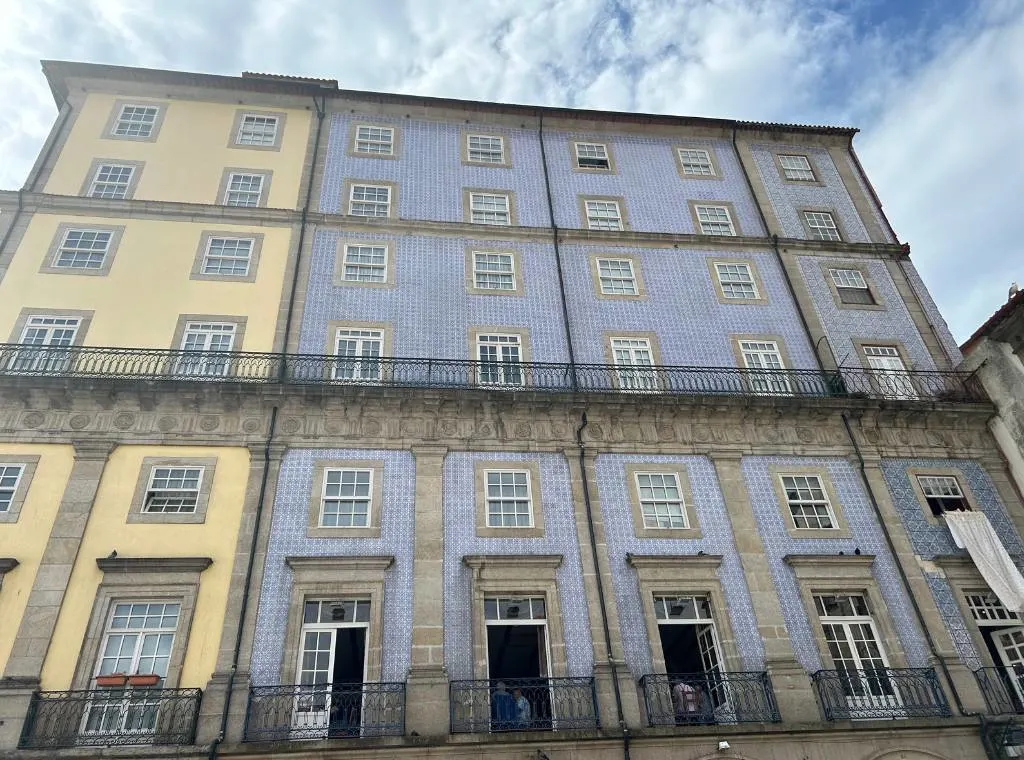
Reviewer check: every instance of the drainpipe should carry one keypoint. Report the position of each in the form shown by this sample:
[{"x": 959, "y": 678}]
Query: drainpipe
[
  {"x": 558, "y": 255},
  {"x": 600, "y": 588},
  {"x": 215, "y": 745}
]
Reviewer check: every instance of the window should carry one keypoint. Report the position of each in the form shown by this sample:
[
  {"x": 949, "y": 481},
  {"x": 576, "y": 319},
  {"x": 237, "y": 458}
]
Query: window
[
  {"x": 49, "y": 334},
  {"x": 592, "y": 156},
  {"x": 243, "y": 189},
  {"x": 499, "y": 359},
  {"x": 736, "y": 281},
  {"x": 228, "y": 257},
  {"x": 489, "y": 208},
  {"x": 365, "y": 263},
  {"x": 765, "y": 359},
  {"x": 494, "y": 271},
  {"x": 138, "y": 639},
  {"x": 943, "y": 494},
  {"x": 821, "y": 225},
  {"x": 885, "y": 358},
  {"x": 603, "y": 215},
  {"x": 634, "y": 358},
  {"x": 985, "y": 608},
  {"x": 83, "y": 249},
  {"x": 173, "y": 490},
  {"x": 375, "y": 141},
  {"x": 346, "y": 498},
  {"x": 111, "y": 181},
  {"x": 214, "y": 339},
  {"x": 661, "y": 501},
  {"x": 135, "y": 121},
  {"x": 808, "y": 503},
  {"x": 888, "y": 374},
  {"x": 851, "y": 286},
  {"x": 714, "y": 220},
  {"x": 370, "y": 200},
  {"x": 796, "y": 168},
  {"x": 509, "y": 499},
  {"x": 257, "y": 130},
  {"x": 616, "y": 277},
  {"x": 10, "y": 477},
  {"x": 485, "y": 149},
  {"x": 696, "y": 162},
  {"x": 359, "y": 353}
]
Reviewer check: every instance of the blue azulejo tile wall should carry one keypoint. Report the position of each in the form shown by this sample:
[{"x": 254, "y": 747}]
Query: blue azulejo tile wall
[
  {"x": 717, "y": 538},
  {"x": 788, "y": 198},
  {"x": 844, "y": 325},
  {"x": 656, "y": 195},
  {"x": 288, "y": 539},
  {"x": 692, "y": 326},
  {"x": 934, "y": 315},
  {"x": 428, "y": 168},
  {"x": 430, "y": 308},
  {"x": 460, "y": 539},
  {"x": 866, "y": 535},
  {"x": 953, "y": 619}
]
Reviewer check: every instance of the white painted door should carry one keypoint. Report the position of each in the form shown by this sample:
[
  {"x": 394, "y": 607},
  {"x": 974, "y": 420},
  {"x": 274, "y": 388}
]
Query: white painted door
[{"x": 1010, "y": 644}]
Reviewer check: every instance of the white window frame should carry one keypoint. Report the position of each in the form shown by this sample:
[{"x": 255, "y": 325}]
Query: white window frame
[
  {"x": 189, "y": 496},
  {"x": 9, "y": 489},
  {"x": 193, "y": 363},
  {"x": 761, "y": 356},
  {"x": 107, "y": 188},
  {"x": 358, "y": 268},
  {"x": 502, "y": 498},
  {"x": 233, "y": 196},
  {"x": 45, "y": 330},
  {"x": 659, "y": 512},
  {"x": 124, "y": 127},
  {"x": 694, "y": 165},
  {"x": 485, "y": 151},
  {"x": 485, "y": 274},
  {"x": 811, "y": 502},
  {"x": 490, "y": 215},
  {"x": 822, "y": 226},
  {"x": 598, "y": 217},
  {"x": 702, "y": 210},
  {"x": 224, "y": 259},
  {"x": 88, "y": 252},
  {"x": 255, "y": 134},
  {"x": 727, "y": 280},
  {"x": 354, "y": 498},
  {"x": 376, "y": 203},
  {"x": 928, "y": 483},
  {"x": 633, "y": 376},
  {"x": 609, "y": 280},
  {"x": 794, "y": 170},
  {"x": 863, "y": 689},
  {"x": 601, "y": 154},
  {"x": 362, "y": 144},
  {"x": 358, "y": 367},
  {"x": 500, "y": 371}
]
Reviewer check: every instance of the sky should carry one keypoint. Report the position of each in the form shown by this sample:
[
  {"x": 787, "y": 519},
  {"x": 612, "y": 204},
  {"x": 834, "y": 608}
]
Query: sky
[{"x": 936, "y": 86}]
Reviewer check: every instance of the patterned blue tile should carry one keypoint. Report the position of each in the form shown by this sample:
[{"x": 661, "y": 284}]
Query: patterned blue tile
[
  {"x": 949, "y": 610},
  {"x": 934, "y": 315}
]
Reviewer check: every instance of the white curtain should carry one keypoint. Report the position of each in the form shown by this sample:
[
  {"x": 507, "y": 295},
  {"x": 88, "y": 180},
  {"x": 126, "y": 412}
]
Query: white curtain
[{"x": 973, "y": 531}]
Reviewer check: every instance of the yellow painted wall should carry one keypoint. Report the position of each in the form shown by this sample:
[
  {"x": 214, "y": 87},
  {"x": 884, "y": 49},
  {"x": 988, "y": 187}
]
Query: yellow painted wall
[
  {"x": 148, "y": 286},
  {"x": 187, "y": 160},
  {"x": 26, "y": 539},
  {"x": 108, "y": 530}
]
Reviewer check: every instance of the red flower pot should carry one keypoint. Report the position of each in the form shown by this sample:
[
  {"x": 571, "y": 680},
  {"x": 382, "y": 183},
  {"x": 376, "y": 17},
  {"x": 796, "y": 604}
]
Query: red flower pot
[
  {"x": 144, "y": 679},
  {"x": 112, "y": 679}
]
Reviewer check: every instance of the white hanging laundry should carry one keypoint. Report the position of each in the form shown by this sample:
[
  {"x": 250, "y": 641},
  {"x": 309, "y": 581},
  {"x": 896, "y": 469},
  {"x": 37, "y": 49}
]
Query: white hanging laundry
[{"x": 973, "y": 531}]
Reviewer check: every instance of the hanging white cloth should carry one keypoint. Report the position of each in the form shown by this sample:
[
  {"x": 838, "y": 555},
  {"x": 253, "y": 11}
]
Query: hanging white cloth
[{"x": 973, "y": 531}]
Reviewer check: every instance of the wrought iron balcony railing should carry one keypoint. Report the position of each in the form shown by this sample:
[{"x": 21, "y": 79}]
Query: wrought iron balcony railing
[
  {"x": 880, "y": 693},
  {"x": 110, "y": 717},
  {"x": 523, "y": 704},
  {"x": 251, "y": 367},
  {"x": 325, "y": 711},
  {"x": 680, "y": 699},
  {"x": 1003, "y": 689}
]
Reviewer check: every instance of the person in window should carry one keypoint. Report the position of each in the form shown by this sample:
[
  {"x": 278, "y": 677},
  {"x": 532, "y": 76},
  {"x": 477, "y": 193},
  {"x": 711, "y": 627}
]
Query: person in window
[
  {"x": 522, "y": 709},
  {"x": 686, "y": 699},
  {"x": 503, "y": 708}
]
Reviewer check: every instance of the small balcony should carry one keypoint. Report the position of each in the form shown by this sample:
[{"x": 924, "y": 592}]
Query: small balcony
[
  {"x": 523, "y": 704},
  {"x": 1003, "y": 689},
  {"x": 880, "y": 694},
  {"x": 110, "y": 718},
  {"x": 325, "y": 711},
  {"x": 686, "y": 699}
]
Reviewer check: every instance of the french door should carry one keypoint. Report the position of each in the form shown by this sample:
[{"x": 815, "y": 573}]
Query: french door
[
  {"x": 889, "y": 375},
  {"x": 207, "y": 346},
  {"x": 500, "y": 360},
  {"x": 1010, "y": 645},
  {"x": 635, "y": 361},
  {"x": 48, "y": 333},
  {"x": 359, "y": 353}
]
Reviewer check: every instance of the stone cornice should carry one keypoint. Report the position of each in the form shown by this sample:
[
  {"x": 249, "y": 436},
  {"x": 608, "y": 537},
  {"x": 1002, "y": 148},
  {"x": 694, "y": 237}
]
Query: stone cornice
[
  {"x": 7, "y": 564},
  {"x": 133, "y": 565},
  {"x": 524, "y": 562},
  {"x": 674, "y": 561},
  {"x": 824, "y": 566},
  {"x": 376, "y": 564}
]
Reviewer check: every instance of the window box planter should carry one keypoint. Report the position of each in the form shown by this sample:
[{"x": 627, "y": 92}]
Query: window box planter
[
  {"x": 144, "y": 679},
  {"x": 113, "y": 679}
]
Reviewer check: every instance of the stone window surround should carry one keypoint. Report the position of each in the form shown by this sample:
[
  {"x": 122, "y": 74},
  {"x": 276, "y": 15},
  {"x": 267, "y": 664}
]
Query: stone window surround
[
  {"x": 612, "y": 167},
  {"x": 346, "y": 197},
  {"x": 94, "y": 167},
  {"x": 483, "y": 530},
  {"x": 185, "y": 319},
  {"x": 684, "y": 575},
  {"x": 386, "y": 329},
  {"x": 49, "y": 265},
  {"x": 692, "y": 531},
  {"x": 841, "y": 530},
  {"x": 336, "y": 578},
  {"x": 518, "y": 277},
  {"x": 638, "y": 277},
  {"x": 865, "y": 272},
  {"x": 715, "y": 166},
  {"x": 464, "y": 148},
  {"x": 581, "y": 201},
  {"x": 29, "y": 463},
  {"x": 801, "y": 212},
  {"x": 339, "y": 264},
  {"x": 115, "y": 116},
  {"x": 236, "y": 126},
  {"x": 525, "y": 352},
  {"x": 728, "y": 205},
  {"x": 519, "y": 575},
  {"x": 135, "y": 511},
  {"x": 225, "y": 181},
  {"x": 320, "y": 467},
  {"x": 962, "y": 575},
  {"x": 84, "y": 317},
  {"x": 778, "y": 340},
  {"x": 128, "y": 579},
  {"x": 755, "y": 275},
  {"x": 204, "y": 243},
  {"x": 609, "y": 354},
  {"x": 961, "y": 479},
  {"x": 396, "y": 140},
  {"x": 818, "y": 574},
  {"x": 467, "y": 211},
  {"x": 816, "y": 182}
]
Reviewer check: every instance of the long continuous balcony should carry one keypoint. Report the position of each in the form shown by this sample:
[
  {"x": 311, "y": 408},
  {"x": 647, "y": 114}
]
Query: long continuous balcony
[
  {"x": 110, "y": 717},
  {"x": 1003, "y": 689},
  {"x": 325, "y": 711},
  {"x": 89, "y": 362},
  {"x": 880, "y": 694},
  {"x": 523, "y": 704},
  {"x": 681, "y": 699}
]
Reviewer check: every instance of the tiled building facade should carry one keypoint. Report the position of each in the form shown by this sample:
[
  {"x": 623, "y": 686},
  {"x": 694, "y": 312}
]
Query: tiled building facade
[{"x": 550, "y": 431}]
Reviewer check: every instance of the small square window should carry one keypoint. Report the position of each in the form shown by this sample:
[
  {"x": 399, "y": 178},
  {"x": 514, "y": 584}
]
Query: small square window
[
  {"x": 490, "y": 208},
  {"x": 10, "y": 477},
  {"x": 111, "y": 181},
  {"x": 737, "y": 281},
  {"x": 851, "y": 287},
  {"x": 616, "y": 277},
  {"x": 375, "y": 141},
  {"x": 370, "y": 200},
  {"x": 256, "y": 129},
  {"x": 136, "y": 121},
  {"x": 796, "y": 168},
  {"x": 244, "y": 190},
  {"x": 603, "y": 215},
  {"x": 822, "y": 225},
  {"x": 485, "y": 149},
  {"x": 494, "y": 271},
  {"x": 508, "y": 498},
  {"x": 83, "y": 249},
  {"x": 661, "y": 500},
  {"x": 365, "y": 263},
  {"x": 173, "y": 490},
  {"x": 228, "y": 257},
  {"x": 347, "y": 496},
  {"x": 809, "y": 505},
  {"x": 592, "y": 156},
  {"x": 714, "y": 220},
  {"x": 943, "y": 494},
  {"x": 696, "y": 162}
]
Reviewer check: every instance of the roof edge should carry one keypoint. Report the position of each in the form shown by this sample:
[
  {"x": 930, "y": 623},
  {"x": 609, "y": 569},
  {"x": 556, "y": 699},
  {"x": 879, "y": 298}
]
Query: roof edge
[{"x": 1017, "y": 301}]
